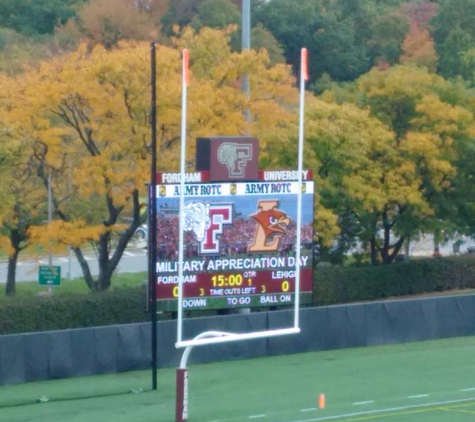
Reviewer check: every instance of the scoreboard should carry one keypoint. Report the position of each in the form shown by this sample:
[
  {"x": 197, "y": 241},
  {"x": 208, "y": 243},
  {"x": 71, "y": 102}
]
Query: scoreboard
[{"x": 240, "y": 241}]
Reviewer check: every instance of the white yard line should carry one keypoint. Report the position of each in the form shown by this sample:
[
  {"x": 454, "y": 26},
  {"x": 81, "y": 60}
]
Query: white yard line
[
  {"x": 389, "y": 409},
  {"x": 418, "y": 396},
  {"x": 360, "y": 403}
]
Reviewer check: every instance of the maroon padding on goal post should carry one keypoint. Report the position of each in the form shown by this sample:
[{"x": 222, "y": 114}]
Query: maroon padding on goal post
[{"x": 181, "y": 410}]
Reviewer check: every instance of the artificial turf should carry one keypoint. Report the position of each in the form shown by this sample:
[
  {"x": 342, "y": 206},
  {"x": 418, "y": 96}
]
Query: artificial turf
[{"x": 427, "y": 381}]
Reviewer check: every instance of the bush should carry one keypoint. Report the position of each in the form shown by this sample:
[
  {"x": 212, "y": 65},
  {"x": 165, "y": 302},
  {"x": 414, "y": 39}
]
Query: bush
[
  {"x": 343, "y": 285},
  {"x": 29, "y": 314},
  {"x": 331, "y": 286}
]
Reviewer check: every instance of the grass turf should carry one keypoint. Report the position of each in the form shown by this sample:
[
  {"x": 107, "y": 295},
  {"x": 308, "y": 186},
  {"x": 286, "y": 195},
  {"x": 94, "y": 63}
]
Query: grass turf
[{"x": 428, "y": 381}]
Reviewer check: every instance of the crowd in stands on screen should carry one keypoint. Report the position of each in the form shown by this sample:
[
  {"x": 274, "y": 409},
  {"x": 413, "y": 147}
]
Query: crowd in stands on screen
[{"x": 234, "y": 240}]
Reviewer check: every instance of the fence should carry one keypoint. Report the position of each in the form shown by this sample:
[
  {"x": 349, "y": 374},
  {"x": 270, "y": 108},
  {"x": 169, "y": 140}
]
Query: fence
[{"x": 90, "y": 351}]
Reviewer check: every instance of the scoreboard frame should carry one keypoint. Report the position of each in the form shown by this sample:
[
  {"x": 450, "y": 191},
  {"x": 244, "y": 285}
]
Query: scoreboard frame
[{"x": 258, "y": 269}]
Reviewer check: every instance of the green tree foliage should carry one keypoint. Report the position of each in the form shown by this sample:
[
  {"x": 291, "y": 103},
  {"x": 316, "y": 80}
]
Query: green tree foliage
[
  {"x": 452, "y": 51},
  {"x": 216, "y": 14},
  {"x": 330, "y": 37},
  {"x": 468, "y": 65},
  {"x": 453, "y": 13},
  {"x": 32, "y": 17},
  {"x": 389, "y": 31},
  {"x": 179, "y": 13}
]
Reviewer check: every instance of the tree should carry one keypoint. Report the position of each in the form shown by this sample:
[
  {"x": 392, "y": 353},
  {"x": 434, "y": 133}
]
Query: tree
[
  {"x": 451, "y": 14},
  {"x": 107, "y": 22},
  {"x": 418, "y": 48},
  {"x": 335, "y": 50},
  {"x": 88, "y": 113},
  {"x": 23, "y": 199},
  {"x": 216, "y": 14},
  {"x": 468, "y": 66},
  {"x": 432, "y": 127},
  {"x": 179, "y": 13},
  {"x": 292, "y": 24},
  {"x": 420, "y": 12},
  {"x": 331, "y": 39},
  {"x": 389, "y": 32},
  {"x": 36, "y": 17},
  {"x": 457, "y": 43}
]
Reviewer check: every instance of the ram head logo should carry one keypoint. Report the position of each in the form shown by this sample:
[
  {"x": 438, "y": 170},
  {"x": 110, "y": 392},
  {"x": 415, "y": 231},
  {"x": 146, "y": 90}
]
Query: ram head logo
[
  {"x": 197, "y": 219},
  {"x": 272, "y": 225},
  {"x": 235, "y": 157}
]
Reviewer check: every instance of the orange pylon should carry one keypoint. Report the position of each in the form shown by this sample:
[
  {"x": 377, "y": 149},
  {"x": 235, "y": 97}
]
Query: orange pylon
[{"x": 321, "y": 401}]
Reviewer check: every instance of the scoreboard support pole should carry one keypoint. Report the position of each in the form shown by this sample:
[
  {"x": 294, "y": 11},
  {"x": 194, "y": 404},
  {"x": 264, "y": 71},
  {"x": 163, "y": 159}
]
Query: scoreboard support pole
[{"x": 152, "y": 224}]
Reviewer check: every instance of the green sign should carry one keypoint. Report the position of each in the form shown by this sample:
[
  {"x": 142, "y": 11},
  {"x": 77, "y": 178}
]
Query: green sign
[{"x": 49, "y": 276}]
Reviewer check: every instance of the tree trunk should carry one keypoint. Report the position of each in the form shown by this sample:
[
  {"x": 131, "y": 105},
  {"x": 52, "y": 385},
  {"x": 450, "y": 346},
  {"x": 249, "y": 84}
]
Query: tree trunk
[
  {"x": 374, "y": 251},
  {"x": 16, "y": 237},
  {"x": 10, "y": 288},
  {"x": 86, "y": 271},
  {"x": 107, "y": 265}
]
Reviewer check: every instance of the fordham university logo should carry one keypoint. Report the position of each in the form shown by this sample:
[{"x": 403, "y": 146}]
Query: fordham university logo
[
  {"x": 207, "y": 223},
  {"x": 235, "y": 157},
  {"x": 271, "y": 227}
]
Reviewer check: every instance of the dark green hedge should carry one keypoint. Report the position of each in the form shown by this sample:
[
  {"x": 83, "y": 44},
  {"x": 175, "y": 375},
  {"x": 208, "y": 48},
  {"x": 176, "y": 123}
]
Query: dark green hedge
[
  {"x": 29, "y": 314},
  {"x": 348, "y": 284},
  {"x": 332, "y": 286}
]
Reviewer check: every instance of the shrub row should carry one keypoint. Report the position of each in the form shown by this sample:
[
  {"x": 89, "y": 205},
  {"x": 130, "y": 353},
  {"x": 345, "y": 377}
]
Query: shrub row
[
  {"x": 331, "y": 286},
  {"x": 30, "y": 314},
  {"x": 347, "y": 284}
]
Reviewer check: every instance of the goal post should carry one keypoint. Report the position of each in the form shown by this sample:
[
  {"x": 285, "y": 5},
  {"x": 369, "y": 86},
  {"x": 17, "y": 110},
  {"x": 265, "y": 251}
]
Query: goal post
[
  {"x": 231, "y": 207},
  {"x": 235, "y": 156}
]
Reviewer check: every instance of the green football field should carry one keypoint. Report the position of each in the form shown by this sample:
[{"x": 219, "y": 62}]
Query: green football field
[{"x": 428, "y": 381}]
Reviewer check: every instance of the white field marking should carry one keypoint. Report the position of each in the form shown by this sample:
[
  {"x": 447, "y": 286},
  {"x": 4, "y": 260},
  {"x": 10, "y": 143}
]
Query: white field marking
[
  {"x": 309, "y": 410},
  {"x": 389, "y": 409},
  {"x": 257, "y": 416},
  {"x": 418, "y": 396},
  {"x": 469, "y": 389},
  {"x": 359, "y": 403}
]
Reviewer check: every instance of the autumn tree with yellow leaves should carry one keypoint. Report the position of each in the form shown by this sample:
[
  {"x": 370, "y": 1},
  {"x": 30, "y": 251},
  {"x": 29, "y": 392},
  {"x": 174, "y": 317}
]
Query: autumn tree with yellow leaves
[
  {"x": 390, "y": 169},
  {"x": 85, "y": 121}
]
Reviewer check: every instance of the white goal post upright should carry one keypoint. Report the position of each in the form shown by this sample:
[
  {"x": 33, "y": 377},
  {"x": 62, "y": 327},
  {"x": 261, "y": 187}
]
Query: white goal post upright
[
  {"x": 180, "y": 343},
  {"x": 303, "y": 78},
  {"x": 185, "y": 81}
]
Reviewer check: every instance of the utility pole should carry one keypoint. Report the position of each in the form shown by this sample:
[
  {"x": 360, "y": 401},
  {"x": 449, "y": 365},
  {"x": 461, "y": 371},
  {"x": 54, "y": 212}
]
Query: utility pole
[
  {"x": 246, "y": 45},
  {"x": 50, "y": 219}
]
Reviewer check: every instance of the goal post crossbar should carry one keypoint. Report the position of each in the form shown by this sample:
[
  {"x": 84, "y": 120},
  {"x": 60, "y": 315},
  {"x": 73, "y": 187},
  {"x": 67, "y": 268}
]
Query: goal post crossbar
[{"x": 221, "y": 337}]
